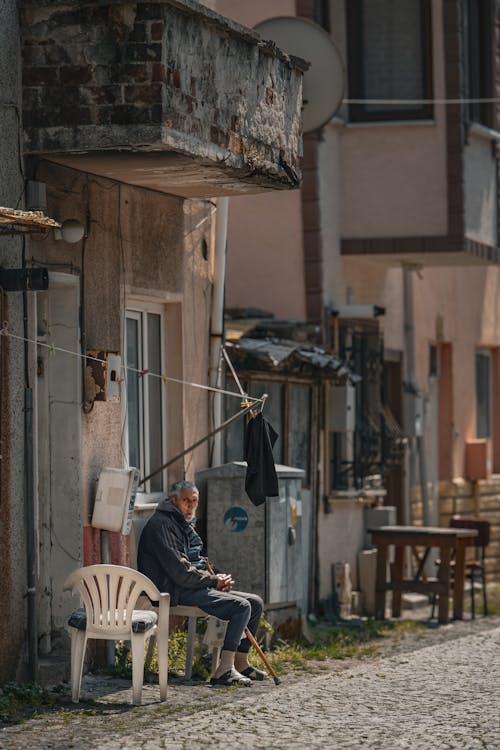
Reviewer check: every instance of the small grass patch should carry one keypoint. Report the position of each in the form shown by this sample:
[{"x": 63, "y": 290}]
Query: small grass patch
[
  {"x": 341, "y": 641},
  {"x": 493, "y": 591},
  {"x": 123, "y": 656},
  {"x": 18, "y": 702}
]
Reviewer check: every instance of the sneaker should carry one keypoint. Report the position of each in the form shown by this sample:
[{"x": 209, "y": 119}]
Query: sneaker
[
  {"x": 232, "y": 677},
  {"x": 253, "y": 673}
]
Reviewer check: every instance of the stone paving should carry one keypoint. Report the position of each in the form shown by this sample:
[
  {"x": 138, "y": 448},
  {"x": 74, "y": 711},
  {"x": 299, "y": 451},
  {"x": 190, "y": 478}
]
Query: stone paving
[{"x": 436, "y": 689}]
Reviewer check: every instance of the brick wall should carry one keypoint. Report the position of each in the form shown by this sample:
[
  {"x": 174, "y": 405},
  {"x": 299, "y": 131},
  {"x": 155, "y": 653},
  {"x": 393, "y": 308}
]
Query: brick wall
[
  {"x": 166, "y": 74},
  {"x": 458, "y": 498}
]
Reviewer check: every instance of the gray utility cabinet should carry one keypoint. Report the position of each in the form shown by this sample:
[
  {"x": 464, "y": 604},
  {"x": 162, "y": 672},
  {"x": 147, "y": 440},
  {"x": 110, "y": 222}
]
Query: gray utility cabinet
[{"x": 265, "y": 548}]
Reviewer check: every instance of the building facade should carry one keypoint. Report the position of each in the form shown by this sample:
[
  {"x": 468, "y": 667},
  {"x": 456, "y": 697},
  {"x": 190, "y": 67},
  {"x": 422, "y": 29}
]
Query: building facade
[
  {"x": 391, "y": 249},
  {"x": 127, "y": 124}
]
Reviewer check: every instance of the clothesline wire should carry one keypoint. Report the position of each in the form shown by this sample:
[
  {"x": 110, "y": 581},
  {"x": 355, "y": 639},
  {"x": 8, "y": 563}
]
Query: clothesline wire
[
  {"x": 165, "y": 378},
  {"x": 487, "y": 100},
  {"x": 191, "y": 448},
  {"x": 233, "y": 373}
]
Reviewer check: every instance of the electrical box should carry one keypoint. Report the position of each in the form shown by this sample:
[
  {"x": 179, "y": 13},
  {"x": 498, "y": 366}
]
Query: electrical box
[
  {"x": 102, "y": 376},
  {"x": 374, "y": 518},
  {"x": 342, "y": 408},
  {"x": 36, "y": 196},
  {"x": 478, "y": 459},
  {"x": 413, "y": 414},
  {"x": 115, "y": 499},
  {"x": 265, "y": 548}
]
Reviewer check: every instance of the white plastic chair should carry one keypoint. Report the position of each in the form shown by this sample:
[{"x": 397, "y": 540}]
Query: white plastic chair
[
  {"x": 109, "y": 594},
  {"x": 192, "y": 613}
]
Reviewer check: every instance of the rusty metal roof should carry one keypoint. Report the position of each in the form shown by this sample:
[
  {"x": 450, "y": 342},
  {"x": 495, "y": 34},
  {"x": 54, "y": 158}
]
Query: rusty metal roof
[
  {"x": 288, "y": 357},
  {"x": 36, "y": 221}
]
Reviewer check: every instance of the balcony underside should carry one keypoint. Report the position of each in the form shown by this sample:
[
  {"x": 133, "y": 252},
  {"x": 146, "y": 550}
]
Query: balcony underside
[
  {"x": 173, "y": 173},
  {"x": 422, "y": 251}
]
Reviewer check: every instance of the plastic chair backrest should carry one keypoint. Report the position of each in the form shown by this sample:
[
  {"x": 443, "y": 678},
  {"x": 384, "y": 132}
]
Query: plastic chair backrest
[
  {"x": 480, "y": 525},
  {"x": 109, "y": 594}
]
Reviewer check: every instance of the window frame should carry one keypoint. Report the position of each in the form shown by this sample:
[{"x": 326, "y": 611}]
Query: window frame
[
  {"x": 138, "y": 310},
  {"x": 355, "y": 53},
  {"x": 479, "y": 23},
  {"x": 248, "y": 380},
  {"x": 486, "y": 353}
]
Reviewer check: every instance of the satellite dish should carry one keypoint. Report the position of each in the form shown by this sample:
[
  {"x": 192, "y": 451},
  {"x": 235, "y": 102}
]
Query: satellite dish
[{"x": 323, "y": 84}]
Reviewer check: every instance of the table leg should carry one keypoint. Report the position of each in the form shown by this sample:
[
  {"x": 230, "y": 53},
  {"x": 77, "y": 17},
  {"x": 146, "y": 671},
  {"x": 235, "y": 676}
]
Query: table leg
[
  {"x": 444, "y": 579},
  {"x": 459, "y": 582},
  {"x": 397, "y": 577},
  {"x": 380, "y": 582}
]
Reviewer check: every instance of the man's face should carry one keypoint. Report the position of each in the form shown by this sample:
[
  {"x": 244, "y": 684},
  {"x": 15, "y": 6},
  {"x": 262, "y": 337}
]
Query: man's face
[{"x": 187, "y": 502}]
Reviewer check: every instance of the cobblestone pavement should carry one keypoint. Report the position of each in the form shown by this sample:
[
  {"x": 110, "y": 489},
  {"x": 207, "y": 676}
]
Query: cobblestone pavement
[{"x": 439, "y": 689}]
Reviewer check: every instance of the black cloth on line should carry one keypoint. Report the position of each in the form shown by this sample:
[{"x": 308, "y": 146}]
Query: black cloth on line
[{"x": 261, "y": 480}]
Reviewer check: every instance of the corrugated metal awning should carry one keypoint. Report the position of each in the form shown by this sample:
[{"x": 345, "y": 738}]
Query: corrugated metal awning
[
  {"x": 288, "y": 357},
  {"x": 18, "y": 221}
]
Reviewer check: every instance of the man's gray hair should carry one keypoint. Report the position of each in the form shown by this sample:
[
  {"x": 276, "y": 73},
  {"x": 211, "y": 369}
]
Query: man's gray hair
[{"x": 181, "y": 484}]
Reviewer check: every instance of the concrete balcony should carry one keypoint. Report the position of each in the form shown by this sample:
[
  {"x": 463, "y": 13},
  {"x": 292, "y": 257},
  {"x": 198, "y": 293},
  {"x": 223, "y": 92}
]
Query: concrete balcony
[{"x": 163, "y": 94}]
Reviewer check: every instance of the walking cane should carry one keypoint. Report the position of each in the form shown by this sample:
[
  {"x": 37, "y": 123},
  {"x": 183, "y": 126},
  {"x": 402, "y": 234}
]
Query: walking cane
[{"x": 252, "y": 640}]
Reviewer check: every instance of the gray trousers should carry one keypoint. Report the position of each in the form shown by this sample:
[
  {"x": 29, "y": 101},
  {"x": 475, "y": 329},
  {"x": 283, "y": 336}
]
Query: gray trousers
[{"x": 239, "y": 609}]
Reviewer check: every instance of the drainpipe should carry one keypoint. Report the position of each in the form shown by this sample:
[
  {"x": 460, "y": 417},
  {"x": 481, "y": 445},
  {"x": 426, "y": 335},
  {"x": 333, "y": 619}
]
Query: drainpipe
[
  {"x": 217, "y": 323},
  {"x": 32, "y": 634},
  {"x": 411, "y": 379}
]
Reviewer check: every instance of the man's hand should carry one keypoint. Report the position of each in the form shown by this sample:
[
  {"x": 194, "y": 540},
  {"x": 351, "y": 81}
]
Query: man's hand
[{"x": 224, "y": 582}]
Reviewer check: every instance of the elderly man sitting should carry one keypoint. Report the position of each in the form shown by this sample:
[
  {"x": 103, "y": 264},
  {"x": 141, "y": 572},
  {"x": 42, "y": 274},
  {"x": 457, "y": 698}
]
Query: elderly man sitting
[{"x": 170, "y": 554}]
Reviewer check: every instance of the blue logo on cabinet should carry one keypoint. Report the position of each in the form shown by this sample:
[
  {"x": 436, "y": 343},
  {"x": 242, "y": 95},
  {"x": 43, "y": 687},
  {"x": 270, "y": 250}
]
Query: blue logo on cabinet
[{"x": 236, "y": 519}]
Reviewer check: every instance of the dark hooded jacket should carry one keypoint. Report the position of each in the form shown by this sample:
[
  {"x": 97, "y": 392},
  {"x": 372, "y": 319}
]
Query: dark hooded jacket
[{"x": 170, "y": 553}]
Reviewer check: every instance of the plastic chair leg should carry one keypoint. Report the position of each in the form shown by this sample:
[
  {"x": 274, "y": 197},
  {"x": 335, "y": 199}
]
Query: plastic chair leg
[
  {"x": 191, "y": 638},
  {"x": 162, "y": 640},
  {"x": 138, "y": 642},
  {"x": 78, "y": 645}
]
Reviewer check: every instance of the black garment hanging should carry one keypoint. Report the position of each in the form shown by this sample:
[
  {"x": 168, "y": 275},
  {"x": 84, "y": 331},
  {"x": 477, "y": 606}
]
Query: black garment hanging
[{"x": 261, "y": 480}]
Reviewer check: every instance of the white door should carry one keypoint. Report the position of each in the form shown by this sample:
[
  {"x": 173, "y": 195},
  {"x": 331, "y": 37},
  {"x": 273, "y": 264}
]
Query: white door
[{"x": 58, "y": 395}]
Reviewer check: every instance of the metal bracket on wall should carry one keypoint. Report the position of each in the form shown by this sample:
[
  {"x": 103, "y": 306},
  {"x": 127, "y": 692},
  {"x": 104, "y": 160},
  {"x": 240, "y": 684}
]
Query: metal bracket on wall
[{"x": 24, "y": 279}]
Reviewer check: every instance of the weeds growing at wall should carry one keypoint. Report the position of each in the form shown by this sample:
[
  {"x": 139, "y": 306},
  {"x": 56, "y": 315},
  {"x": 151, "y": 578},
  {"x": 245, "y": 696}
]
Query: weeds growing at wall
[{"x": 18, "y": 702}]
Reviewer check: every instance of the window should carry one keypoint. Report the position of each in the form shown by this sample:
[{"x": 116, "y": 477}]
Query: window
[
  {"x": 483, "y": 393},
  {"x": 433, "y": 361},
  {"x": 273, "y": 410},
  {"x": 145, "y": 420},
  {"x": 321, "y": 13},
  {"x": 479, "y": 25},
  {"x": 389, "y": 57},
  {"x": 376, "y": 446},
  {"x": 288, "y": 410},
  {"x": 299, "y": 427}
]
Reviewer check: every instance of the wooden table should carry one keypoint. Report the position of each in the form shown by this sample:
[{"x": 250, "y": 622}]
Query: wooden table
[{"x": 452, "y": 544}]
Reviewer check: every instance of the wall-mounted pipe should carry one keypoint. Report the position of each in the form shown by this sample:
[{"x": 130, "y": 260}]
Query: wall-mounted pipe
[
  {"x": 217, "y": 323},
  {"x": 411, "y": 380},
  {"x": 30, "y": 514}
]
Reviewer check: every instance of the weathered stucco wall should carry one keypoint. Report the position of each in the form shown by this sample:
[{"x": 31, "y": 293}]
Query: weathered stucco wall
[
  {"x": 160, "y": 74},
  {"x": 147, "y": 246},
  {"x": 249, "y": 14},
  {"x": 265, "y": 231},
  {"x": 265, "y": 264},
  {"x": 341, "y": 535},
  {"x": 12, "y": 509}
]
